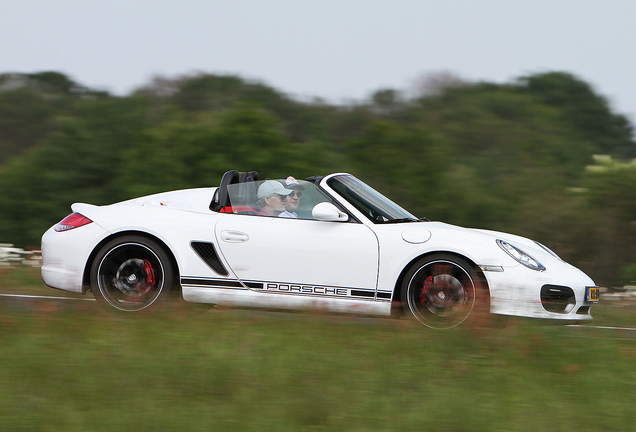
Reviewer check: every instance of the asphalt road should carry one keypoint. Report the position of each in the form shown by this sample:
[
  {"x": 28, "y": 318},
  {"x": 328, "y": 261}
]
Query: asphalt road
[{"x": 23, "y": 297}]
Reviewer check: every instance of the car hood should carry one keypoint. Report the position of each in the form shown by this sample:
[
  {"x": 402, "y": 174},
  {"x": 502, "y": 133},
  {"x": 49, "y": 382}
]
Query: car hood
[
  {"x": 528, "y": 245},
  {"x": 512, "y": 238},
  {"x": 480, "y": 243}
]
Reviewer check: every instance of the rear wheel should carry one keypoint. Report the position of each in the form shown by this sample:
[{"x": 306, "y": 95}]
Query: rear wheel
[
  {"x": 131, "y": 274},
  {"x": 443, "y": 290}
]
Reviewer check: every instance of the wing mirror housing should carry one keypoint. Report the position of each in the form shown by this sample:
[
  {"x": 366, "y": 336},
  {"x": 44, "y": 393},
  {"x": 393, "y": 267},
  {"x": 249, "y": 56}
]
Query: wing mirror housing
[{"x": 326, "y": 211}]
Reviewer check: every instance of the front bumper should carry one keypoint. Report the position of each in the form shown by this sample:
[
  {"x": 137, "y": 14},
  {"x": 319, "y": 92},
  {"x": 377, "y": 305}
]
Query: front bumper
[{"x": 556, "y": 293}]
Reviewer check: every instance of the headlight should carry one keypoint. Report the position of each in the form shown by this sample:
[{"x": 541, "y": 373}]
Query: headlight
[
  {"x": 548, "y": 250},
  {"x": 521, "y": 256}
]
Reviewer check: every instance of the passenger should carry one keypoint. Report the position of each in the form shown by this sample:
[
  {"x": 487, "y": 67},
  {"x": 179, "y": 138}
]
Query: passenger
[
  {"x": 272, "y": 197},
  {"x": 293, "y": 199}
]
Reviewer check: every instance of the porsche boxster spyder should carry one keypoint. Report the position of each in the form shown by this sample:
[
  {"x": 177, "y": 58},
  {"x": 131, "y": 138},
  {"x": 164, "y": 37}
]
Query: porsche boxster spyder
[{"x": 329, "y": 242}]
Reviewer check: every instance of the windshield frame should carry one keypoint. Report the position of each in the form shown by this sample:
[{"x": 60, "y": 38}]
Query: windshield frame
[{"x": 376, "y": 207}]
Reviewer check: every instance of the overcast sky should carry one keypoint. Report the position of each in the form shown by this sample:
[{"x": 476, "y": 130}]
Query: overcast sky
[{"x": 335, "y": 49}]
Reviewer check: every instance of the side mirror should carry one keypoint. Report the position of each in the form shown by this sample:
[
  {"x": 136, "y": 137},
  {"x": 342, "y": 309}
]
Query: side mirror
[{"x": 326, "y": 211}]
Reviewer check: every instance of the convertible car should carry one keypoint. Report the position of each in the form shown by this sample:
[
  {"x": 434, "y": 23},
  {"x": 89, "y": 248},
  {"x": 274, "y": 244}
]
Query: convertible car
[{"x": 330, "y": 242}]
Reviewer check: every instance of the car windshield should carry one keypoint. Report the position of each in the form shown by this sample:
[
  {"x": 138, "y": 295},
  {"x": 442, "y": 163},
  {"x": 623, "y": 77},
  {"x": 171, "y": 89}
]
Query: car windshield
[{"x": 370, "y": 202}]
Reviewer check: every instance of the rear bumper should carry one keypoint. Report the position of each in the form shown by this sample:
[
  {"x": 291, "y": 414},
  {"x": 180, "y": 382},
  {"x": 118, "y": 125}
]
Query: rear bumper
[{"x": 65, "y": 254}]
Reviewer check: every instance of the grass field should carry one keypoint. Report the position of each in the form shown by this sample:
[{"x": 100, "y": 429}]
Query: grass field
[{"x": 65, "y": 366}]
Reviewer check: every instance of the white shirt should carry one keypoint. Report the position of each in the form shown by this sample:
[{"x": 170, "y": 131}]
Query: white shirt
[{"x": 287, "y": 214}]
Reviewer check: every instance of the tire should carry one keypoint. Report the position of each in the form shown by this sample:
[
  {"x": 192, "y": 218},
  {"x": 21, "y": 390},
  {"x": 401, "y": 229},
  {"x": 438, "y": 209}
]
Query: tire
[
  {"x": 131, "y": 274},
  {"x": 442, "y": 291}
]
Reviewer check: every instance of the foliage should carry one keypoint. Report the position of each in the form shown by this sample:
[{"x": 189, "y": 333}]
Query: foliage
[
  {"x": 612, "y": 203},
  {"x": 508, "y": 157},
  {"x": 587, "y": 112},
  {"x": 385, "y": 154},
  {"x": 29, "y": 104}
]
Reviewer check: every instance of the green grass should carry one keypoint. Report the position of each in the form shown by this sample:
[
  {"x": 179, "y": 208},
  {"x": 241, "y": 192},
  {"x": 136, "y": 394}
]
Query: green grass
[
  {"x": 27, "y": 280},
  {"x": 66, "y": 366}
]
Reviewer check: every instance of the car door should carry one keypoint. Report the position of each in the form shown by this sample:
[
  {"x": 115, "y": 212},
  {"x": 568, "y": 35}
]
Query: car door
[{"x": 299, "y": 256}]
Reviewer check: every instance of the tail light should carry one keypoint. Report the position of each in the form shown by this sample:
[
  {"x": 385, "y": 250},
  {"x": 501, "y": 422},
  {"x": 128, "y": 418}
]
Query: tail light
[{"x": 71, "y": 221}]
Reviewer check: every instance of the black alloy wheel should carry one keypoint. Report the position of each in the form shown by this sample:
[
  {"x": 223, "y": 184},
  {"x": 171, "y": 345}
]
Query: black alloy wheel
[
  {"x": 443, "y": 290},
  {"x": 131, "y": 274}
]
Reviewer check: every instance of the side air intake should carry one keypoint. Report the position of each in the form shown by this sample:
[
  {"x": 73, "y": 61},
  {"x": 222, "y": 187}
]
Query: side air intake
[{"x": 208, "y": 254}]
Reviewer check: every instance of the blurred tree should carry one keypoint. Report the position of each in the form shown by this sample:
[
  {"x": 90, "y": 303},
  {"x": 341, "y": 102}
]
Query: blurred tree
[
  {"x": 24, "y": 120},
  {"x": 629, "y": 275},
  {"x": 189, "y": 152},
  {"x": 386, "y": 97},
  {"x": 610, "y": 186},
  {"x": 586, "y": 111},
  {"x": 218, "y": 93},
  {"x": 434, "y": 84},
  {"x": 28, "y": 105},
  {"x": 506, "y": 127},
  {"x": 402, "y": 162},
  {"x": 387, "y": 102},
  {"x": 55, "y": 82},
  {"x": 76, "y": 163},
  {"x": 507, "y": 157}
]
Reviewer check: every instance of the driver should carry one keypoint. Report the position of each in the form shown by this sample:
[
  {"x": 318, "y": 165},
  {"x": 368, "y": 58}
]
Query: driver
[
  {"x": 272, "y": 197},
  {"x": 293, "y": 199}
]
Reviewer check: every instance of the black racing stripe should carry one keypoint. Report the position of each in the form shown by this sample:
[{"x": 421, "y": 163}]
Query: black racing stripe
[
  {"x": 261, "y": 286},
  {"x": 381, "y": 295},
  {"x": 211, "y": 282},
  {"x": 313, "y": 295},
  {"x": 359, "y": 293},
  {"x": 220, "y": 283}
]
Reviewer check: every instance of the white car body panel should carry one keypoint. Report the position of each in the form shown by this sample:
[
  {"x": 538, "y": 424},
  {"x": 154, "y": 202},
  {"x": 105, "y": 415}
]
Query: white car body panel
[
  {"x": 300, "y": 251},
  {"x": 63, "y": 262},
  {"x": 265, "y": 299},
  {"x": 284, "y": 263}
]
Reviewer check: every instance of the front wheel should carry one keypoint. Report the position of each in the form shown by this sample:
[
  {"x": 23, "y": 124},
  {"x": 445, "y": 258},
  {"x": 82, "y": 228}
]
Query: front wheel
[
  {"x": 443, "y": 290},
  {"x": 131, "y": 274}
]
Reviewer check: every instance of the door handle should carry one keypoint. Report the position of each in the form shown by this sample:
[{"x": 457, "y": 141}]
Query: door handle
[{"x": 234, "y": 237}]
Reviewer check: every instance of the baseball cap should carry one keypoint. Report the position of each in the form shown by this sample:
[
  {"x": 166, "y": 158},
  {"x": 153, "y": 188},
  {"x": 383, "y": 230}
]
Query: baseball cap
[
  {"x": 291, "y": 183},
  {"x": 271, "y": 187}
]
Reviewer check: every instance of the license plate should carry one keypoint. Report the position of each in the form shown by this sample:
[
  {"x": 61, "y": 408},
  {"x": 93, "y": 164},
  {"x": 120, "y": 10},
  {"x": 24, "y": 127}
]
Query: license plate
[{"x": 592, "y": 294}]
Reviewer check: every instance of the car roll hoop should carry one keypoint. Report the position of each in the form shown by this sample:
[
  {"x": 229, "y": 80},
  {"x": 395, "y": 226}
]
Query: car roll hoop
[{"x": 221, "y": 197}]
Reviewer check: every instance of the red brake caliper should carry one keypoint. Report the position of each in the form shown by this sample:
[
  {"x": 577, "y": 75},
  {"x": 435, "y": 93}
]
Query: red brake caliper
[
  {"x": 427, "y": 284},
  {"x": 150, "y": 273}
]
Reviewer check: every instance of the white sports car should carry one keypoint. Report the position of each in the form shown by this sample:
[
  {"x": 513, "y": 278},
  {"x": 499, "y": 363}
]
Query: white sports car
[{"x": 330, "y": 242}]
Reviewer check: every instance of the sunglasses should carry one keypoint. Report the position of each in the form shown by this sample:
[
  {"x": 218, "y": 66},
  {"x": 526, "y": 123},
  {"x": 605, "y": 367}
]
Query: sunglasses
[{"x": 298, "y": 194}]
